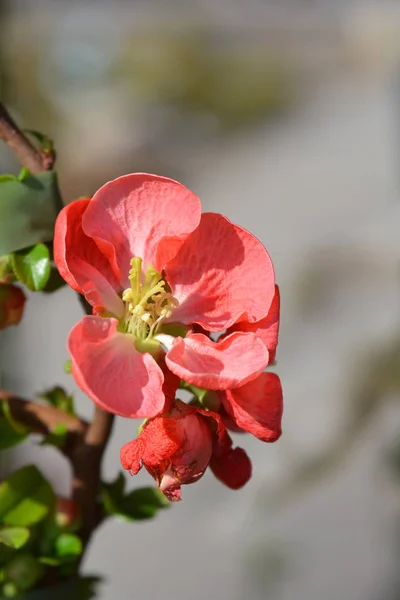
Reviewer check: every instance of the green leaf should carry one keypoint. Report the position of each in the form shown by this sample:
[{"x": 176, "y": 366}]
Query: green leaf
[
  {"x": 32, "y": 266},
  {"x": 14, "y": 537},
  {"x": 112, "y": 494},
  {"x": 25, "y": 497},
  {"x": 11, "y": 432},
  {"x": 28, "y": 210},
  {"x": 43, "y": 139},
  {"x": 199, "y": 393},
  {"x": 50, "y": 561},
  {"x": 24, "y": 174},
  {"x": 76, "y": 588},
  {"x": 59, "y": 398},
  {"x": 18, "y": 427},
  {"x": 8, "y": 436},
  {"x": 68, "y": 545},
  {"x": 57, "y": 437},
  {"x": 142, "y": 503}
]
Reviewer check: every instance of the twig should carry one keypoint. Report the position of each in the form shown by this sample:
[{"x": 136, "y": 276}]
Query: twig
[
  {"x": 86, "y": 463},
  {"x": 39, "y": 418},
  {"x": 23, "y": 149}
]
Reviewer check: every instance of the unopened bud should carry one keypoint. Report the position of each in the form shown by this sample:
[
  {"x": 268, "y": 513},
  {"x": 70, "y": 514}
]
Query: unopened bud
[
  {"x": 12, "y": 300},
  {"x": 67, "y": 511}
]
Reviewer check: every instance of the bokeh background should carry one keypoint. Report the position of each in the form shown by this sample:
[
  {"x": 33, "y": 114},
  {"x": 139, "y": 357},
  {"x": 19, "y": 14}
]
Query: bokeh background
[{"x": 283, "y": 115}]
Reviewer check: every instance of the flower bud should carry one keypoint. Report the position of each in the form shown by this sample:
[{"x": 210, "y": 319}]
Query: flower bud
[
  {"x": 12, "y": 300},
  {"x": 67, "y": 511},
  {"x": 174, "y": 448}
]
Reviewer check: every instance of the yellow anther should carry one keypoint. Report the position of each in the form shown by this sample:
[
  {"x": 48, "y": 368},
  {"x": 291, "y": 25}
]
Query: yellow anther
[{"x": 148, "y": 304}]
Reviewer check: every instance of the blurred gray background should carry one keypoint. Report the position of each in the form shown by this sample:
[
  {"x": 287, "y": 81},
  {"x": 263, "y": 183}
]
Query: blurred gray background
[{"x": 284, "y": 116}]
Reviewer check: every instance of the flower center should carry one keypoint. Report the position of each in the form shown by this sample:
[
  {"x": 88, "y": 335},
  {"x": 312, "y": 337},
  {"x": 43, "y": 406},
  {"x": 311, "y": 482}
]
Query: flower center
[{"x": 147, "y": 302}]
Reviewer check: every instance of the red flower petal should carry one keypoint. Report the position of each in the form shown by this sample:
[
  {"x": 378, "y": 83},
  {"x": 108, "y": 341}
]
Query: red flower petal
[
  {"x": 221, "y": 365},
  {"x": 142, "y": 215},
  {"x": 159, "y": 440},
  {"x": 109, "y": 369},
  {"x": 232, "y": 467},
  {"x": 221, "y": 274},
  {"x": 267, "y": 329},
  {"x": 257, "y": 406},
  {"x": 82, "y": 264}
]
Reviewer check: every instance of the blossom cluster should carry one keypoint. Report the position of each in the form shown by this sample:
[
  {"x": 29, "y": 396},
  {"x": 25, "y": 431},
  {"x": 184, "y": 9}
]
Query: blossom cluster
[{"x": 181, "y": 300}]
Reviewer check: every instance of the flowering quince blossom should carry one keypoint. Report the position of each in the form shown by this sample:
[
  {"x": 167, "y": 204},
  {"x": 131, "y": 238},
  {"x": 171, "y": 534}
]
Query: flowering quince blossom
[
  {"x": 161, "y": 278},
  {"x": 177, "y": 447}
]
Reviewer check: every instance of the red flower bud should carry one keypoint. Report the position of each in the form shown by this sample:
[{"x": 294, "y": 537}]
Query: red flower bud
[
  {"x": 174, "y": 449},
  {"x": 12, "y": 300},
  {"x": 67, "y": 511},
  {"x": 177, "y": 448}
]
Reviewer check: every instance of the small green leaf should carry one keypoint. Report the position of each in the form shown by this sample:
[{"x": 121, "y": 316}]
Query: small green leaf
[
  {"x": 14, "y": 537},
  {"x": 50, "y": 561},
  {"x": 11, "y": 432},
  {"x": 18, "y": 427},
  {"x": 43, "y": 139},
  {"x": 142, "y": 503},
  {"x": 8, "y": 436},
  {"x": 25, "y": 497},
  {"x": 75, "y": 587},
  {"x": 32, "y": 266},
  {"x": 68, "y": 545},
  {"x": 24, "y": 174},
  {"x": 57, "y": 437},
  {"x": 113, "y": 494},
  {"x": 199, "y": 393},
  {"x": 59, "y": 398},
  {"x": 28, "y": 210}
]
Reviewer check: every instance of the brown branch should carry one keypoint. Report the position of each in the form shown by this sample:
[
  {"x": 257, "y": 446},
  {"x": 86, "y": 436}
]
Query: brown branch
[
  {"x": 86, "y": 464},
  {"x": 40, "y": 418},
  {"x": 23, "y": 149}
]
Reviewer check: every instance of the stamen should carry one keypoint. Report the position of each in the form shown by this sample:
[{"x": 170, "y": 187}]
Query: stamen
[{"x": 148, "y": 304}]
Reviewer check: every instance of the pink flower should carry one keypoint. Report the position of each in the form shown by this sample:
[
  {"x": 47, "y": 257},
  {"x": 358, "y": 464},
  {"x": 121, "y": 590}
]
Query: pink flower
[
  {"x": 156, "y": 271},
  {"x": 12, "y": 302},
  {"x": 177, "y": 447}
]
